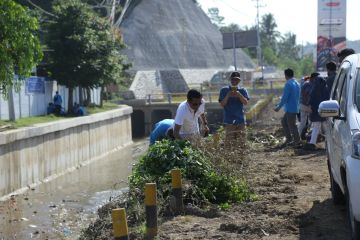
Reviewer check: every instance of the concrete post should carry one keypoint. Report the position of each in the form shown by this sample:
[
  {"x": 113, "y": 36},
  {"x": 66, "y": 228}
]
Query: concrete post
[
  {"x": 120, "y": 227},
  {"x": 169, "y": 98},
  {"x": 176, "y": 183},
  {"x": 150, "y": 210},
  {"x": 209, "y": 97}
]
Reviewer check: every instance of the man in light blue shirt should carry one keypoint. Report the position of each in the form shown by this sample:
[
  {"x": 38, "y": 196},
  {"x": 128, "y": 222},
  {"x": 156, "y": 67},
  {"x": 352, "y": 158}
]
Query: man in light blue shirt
[
  {"x": 162, "y": 129},
  {"x": 290, "y": 102}
]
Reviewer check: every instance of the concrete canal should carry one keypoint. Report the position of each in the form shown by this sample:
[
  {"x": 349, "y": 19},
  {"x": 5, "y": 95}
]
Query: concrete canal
[{"x": 59, "y": 209}]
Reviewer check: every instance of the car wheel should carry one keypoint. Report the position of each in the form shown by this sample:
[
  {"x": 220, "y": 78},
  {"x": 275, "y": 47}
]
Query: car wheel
[
  {"x": 336, "y": 193},
  {"x": 354, "y": 224}
]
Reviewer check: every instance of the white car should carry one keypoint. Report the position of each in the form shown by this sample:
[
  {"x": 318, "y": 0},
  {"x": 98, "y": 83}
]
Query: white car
[{"x": 343, "y": 138}]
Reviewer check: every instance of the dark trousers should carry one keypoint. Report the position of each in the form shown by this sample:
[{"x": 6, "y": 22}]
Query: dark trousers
[
  {"x": 288, "y": 123},
  {"x": 57, "y": 109}
]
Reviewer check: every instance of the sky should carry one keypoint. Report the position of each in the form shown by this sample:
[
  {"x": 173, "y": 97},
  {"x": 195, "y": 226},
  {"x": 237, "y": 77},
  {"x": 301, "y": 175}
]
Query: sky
[{"x": 296, "y": 16}]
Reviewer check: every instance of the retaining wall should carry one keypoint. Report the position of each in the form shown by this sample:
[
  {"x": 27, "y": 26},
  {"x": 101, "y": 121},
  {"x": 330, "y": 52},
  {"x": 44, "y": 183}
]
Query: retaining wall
[
  {"x": 31, "y": 155},
  {"x": 255, "y": 110}
]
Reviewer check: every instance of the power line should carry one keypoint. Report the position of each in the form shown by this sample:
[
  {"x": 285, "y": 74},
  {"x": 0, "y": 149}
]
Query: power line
[{"x": 231, "y": 7}]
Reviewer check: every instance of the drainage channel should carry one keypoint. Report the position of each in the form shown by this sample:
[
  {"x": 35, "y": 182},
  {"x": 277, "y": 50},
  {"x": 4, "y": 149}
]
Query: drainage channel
[{"x": 61, "y": 208}]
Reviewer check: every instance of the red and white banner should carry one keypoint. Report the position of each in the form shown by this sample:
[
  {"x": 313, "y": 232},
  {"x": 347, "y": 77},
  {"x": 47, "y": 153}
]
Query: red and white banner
[{"x": 331, "y": 31}]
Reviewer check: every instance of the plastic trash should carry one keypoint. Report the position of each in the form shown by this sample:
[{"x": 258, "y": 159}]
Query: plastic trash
[{"x": 66, "y": 231}]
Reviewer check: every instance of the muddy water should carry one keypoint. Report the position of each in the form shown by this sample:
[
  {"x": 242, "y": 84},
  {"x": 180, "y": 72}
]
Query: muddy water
[{"x": 59, "y": 209}]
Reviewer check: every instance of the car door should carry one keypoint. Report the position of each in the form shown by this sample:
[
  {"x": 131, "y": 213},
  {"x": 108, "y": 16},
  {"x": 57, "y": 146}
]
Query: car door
[{"x": 339, "y": 127}]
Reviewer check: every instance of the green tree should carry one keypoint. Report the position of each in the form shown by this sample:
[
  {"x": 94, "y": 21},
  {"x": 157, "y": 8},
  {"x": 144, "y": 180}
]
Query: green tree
[
  {"x": 269, "y": 56},
  {"x": 20, "y": 48},
  {"x": 268, "y": 33},
  {"x": 288, "y": 47},
  {"x": 214, "y": 15},
  {"x": 306, "y": 65},
  {"x": 232, "y": 27},
  {"x": 85, "y": 49}
]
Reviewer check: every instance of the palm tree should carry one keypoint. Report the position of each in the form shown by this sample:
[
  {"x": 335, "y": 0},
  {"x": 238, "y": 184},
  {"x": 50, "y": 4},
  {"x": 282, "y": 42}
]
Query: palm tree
[{"x": 268, "y": 32}]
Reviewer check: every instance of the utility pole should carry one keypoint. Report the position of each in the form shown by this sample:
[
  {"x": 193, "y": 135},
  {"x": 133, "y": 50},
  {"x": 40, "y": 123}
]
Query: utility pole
[
  {"x": 258, "y": 50},
  {"x": 330, "y": 32}
]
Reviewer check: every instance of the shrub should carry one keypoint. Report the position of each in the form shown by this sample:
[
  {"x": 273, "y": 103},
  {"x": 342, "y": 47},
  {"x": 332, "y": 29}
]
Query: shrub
[{"x": 198, "y": 173}]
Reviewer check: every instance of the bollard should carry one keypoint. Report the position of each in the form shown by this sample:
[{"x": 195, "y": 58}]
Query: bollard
[
  {"x": 209, "y": 97},
  {"x": 120, "y": 228},
  {"x": 169, "y": 98},
  {"x": 150, "y": 210},
  {"x": 177, "y": 190}
]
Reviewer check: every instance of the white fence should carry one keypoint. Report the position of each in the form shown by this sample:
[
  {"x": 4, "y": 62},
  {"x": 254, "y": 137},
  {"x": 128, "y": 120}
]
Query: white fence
[{"x": 35, "y": 104}]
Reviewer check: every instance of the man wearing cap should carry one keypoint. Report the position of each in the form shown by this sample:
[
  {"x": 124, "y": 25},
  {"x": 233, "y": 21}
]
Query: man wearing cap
[
  {"x": 233, "y": 98},
  {"x": 162, "y": 129},
  {"x": 290, "y": 102}
]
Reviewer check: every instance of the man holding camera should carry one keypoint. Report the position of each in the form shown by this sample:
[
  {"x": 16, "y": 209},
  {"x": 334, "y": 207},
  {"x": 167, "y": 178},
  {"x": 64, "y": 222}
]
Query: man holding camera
[{"x": 233, "y": 98}]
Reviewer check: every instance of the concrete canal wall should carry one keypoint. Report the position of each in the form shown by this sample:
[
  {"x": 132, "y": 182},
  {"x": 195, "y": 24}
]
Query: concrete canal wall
[{"x": 35, "y": 154}]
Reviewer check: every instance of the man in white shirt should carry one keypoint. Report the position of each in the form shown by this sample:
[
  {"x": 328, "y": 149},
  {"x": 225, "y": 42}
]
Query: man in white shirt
[{"x": 187, "y": 117}]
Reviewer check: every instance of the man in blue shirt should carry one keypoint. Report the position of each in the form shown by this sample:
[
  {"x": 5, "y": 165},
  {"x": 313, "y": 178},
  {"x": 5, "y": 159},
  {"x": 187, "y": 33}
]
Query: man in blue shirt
[
  {"x": 290, "y": 102},
  {"x": 233, "y": 98},
  {"x": 162, "y": 129},
  {"x": 57, "y": 102}
]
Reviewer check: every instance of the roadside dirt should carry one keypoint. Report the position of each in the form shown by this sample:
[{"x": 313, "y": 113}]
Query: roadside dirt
[{"x": 294, "y": 198}]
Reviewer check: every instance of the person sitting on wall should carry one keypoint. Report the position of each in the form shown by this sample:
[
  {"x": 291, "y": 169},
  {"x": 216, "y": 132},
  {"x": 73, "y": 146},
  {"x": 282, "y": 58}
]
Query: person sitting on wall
[
  {"x": 51, "y": 108},
  {"x": 163, "y": 129},
  {"x": 79, "y": 110}
]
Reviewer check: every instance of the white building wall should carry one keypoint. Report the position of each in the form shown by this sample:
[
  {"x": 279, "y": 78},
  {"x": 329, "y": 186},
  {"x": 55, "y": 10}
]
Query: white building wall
[{"x": 27, "y": 105}]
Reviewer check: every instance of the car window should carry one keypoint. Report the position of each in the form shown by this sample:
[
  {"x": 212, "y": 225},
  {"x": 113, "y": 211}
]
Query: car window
[
  {"x": 342, "y": 100},
  {"x": 340, "y": 84},
  {"x": 357, "y": 91},
  {"x": 339, "y": 80}
]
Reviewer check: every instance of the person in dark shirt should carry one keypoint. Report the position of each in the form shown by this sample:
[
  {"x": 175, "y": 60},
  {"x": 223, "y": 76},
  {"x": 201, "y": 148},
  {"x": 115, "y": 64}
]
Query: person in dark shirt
[
  {"x": 305, "y": 108},
  {"x": 319, "y": 93},
  {"x": 344, "y": 53},
  {"x": 331, "y": 72}
]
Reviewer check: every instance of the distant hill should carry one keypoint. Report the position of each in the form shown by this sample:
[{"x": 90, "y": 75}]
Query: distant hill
[{"x": 173, "y": 34}]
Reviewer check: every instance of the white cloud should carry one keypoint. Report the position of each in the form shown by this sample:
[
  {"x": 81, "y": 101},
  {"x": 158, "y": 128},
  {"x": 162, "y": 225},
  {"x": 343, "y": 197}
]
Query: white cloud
[{"x": 296, "y": 16}]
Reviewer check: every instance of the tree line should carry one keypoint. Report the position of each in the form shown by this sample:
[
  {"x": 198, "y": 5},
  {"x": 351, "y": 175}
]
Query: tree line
[
  {"x": 78, "y": 45},
  {"x": 278, "y": 50}
]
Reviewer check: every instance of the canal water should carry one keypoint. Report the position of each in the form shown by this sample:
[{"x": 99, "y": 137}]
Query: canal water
[{"x": 61, "y": 208}]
